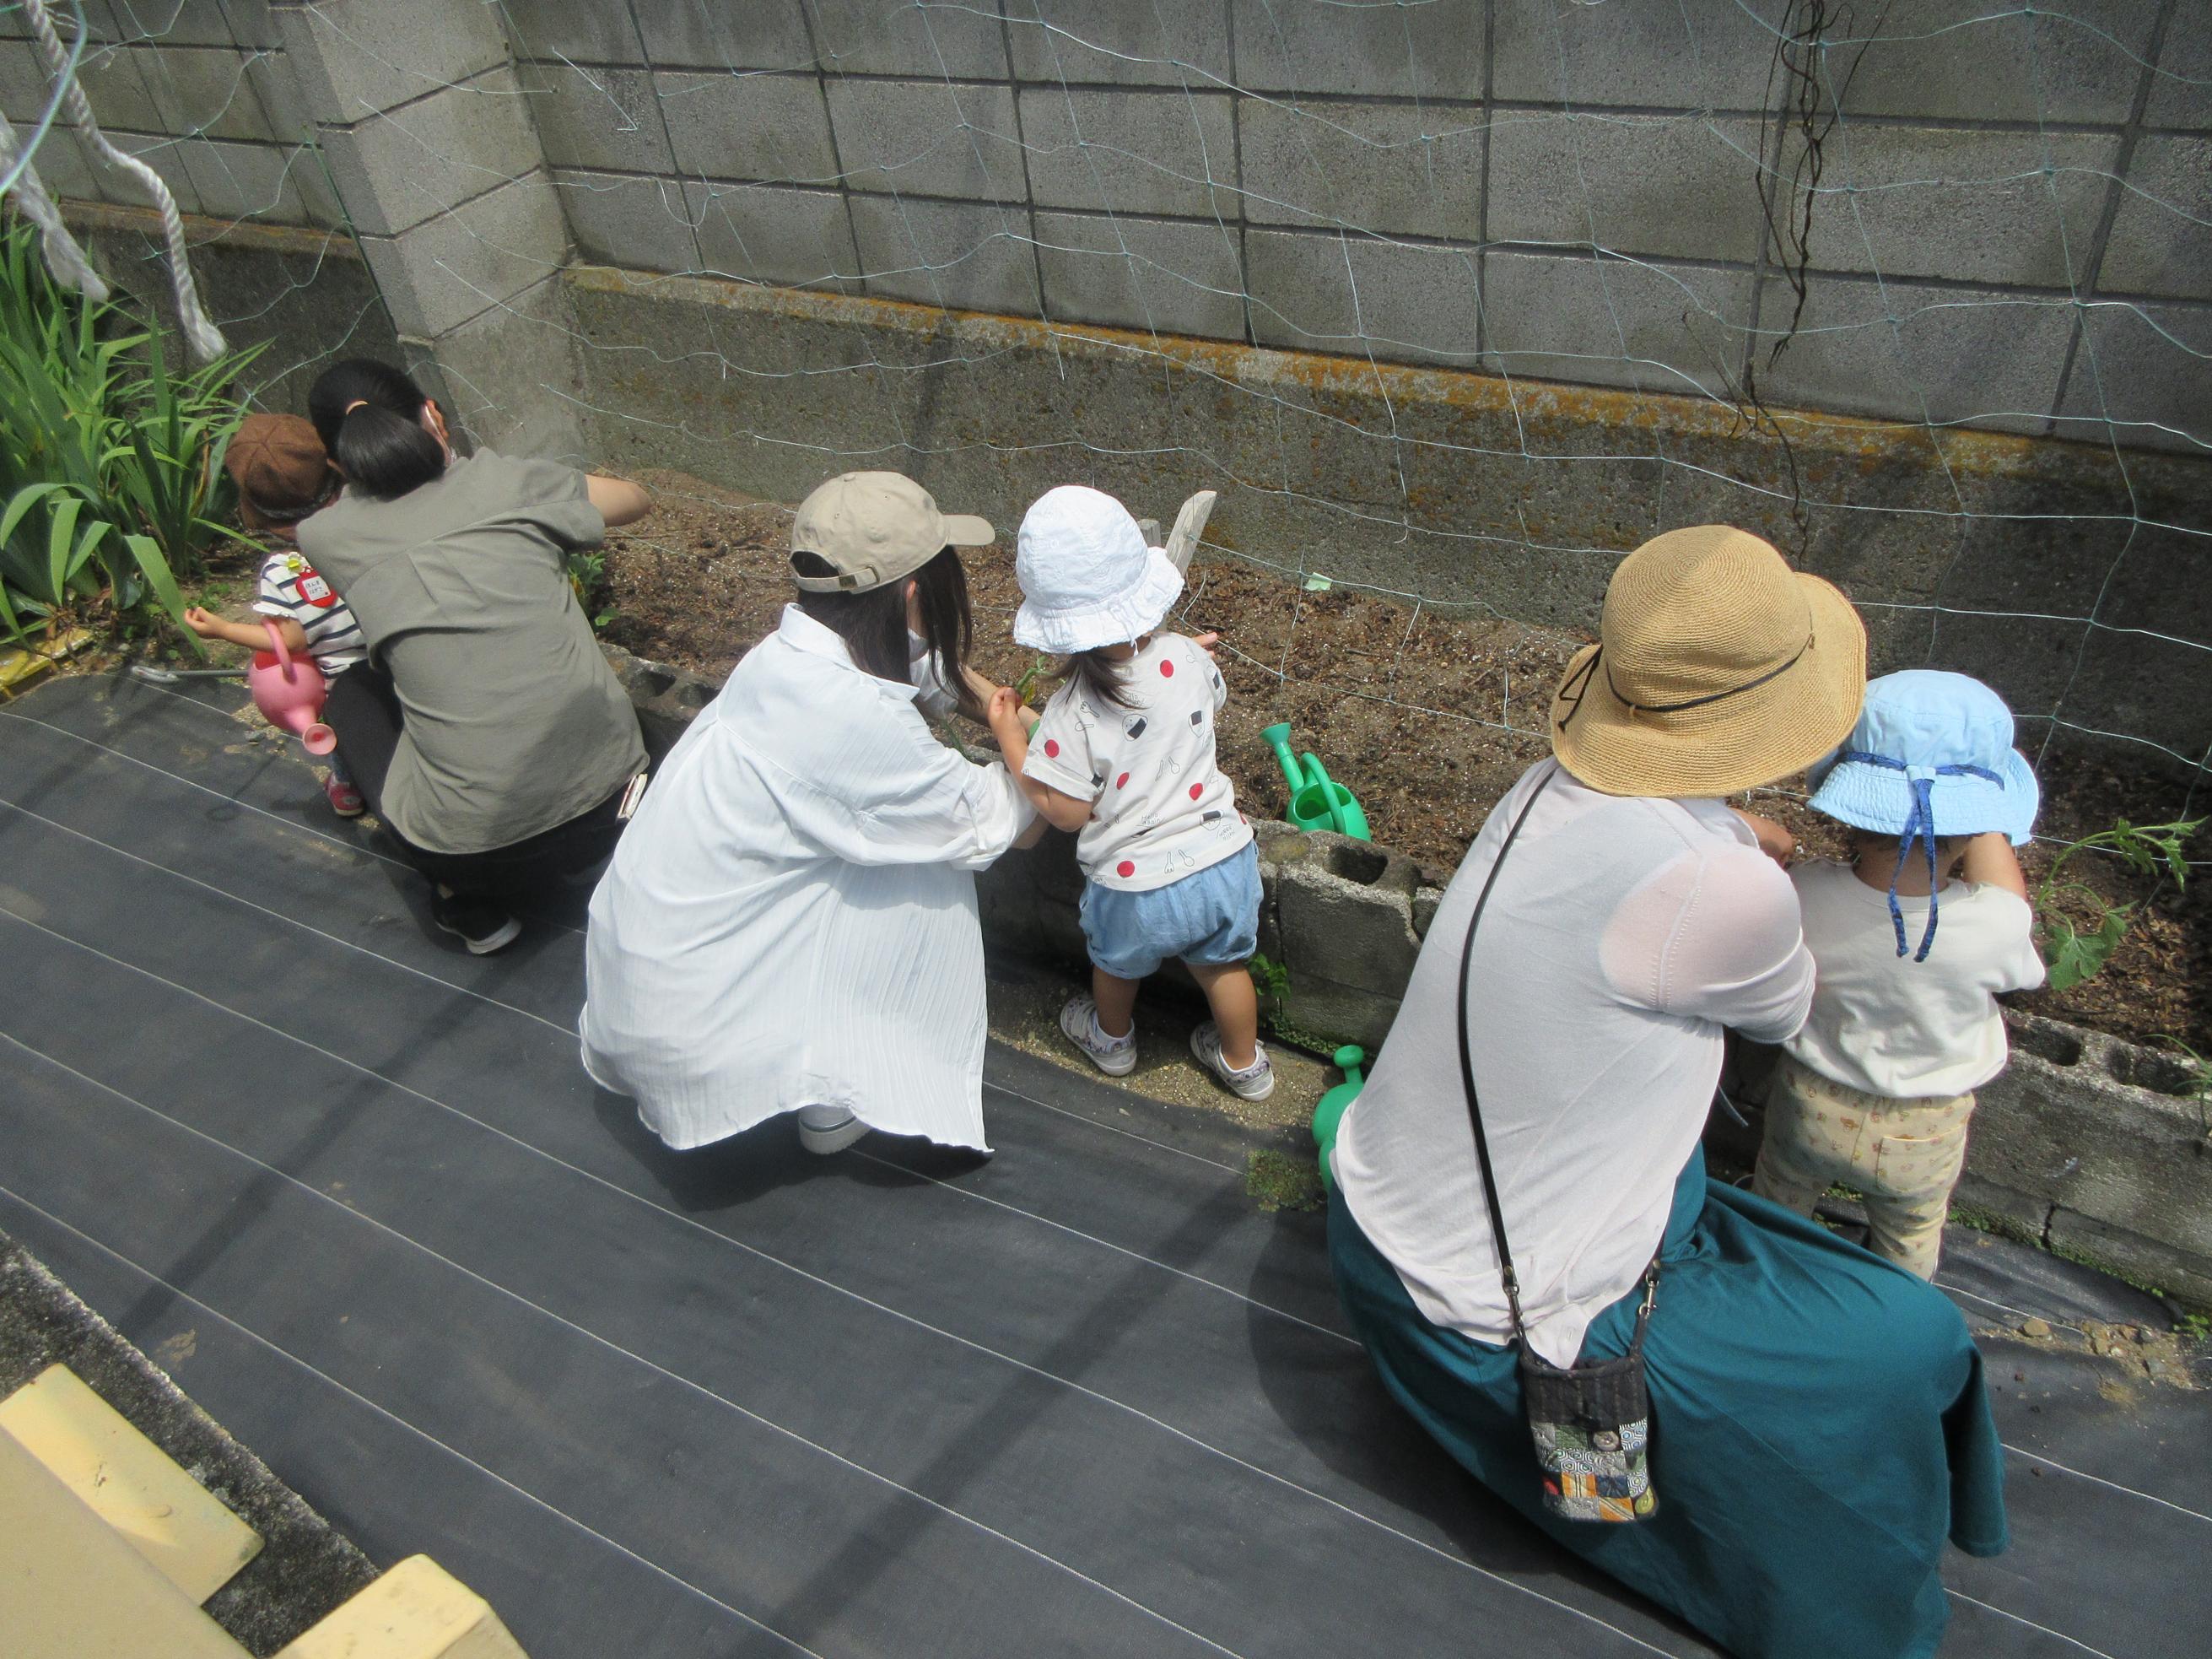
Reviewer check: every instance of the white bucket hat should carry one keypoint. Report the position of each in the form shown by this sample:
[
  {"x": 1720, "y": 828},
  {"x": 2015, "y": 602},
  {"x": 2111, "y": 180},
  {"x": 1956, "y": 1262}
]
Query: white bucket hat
[{"x": 1087, "y": 578}]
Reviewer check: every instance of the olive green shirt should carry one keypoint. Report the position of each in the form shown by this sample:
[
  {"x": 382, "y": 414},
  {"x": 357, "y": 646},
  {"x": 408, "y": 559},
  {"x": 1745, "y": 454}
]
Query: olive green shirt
[{"x": 514, "y": 722}]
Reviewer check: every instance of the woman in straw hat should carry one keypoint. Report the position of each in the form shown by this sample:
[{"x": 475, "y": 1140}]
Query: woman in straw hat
[
  {"x": 1817, "y": 1425},
  {"x": 790, "y": 926}
]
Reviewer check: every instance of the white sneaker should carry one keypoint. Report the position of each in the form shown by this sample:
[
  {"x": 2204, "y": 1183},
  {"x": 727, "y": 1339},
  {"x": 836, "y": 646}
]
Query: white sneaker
[
  {"x": 827, "y": 1129},
  {"x": 1255, "y": 1082},
  {"x": 1115, "y": 1056}
]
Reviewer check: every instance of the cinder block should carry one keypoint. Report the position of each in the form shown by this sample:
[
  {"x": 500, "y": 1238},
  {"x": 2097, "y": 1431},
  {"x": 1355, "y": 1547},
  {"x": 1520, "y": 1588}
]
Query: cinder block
[
  {"x": 1968, "y": 206},
  {"x": 355, "y": 58},
  {"x": 622, "y": 219},
  {"x": 1681, "y": 54},
  {"x": 1405, "y": 52},
  {"x": 1121, "y": 42},
  {"x": 1130, "y": 152},
  {"x": 1614, "y": 322},
  {"x": 2139, "y": 378},
  {"x": 178, "y": 22},
  {"x": 507, "y": 374},
  {"x": 966, "y": 256},
  {"x": 599, "y": 33},
  {"x": 70, "y": 1584},
  {"x": 1911, "y": 353},
  {"x": 2160, "y": 244},
  {"x": 1172, "y": 276},
  {"x": 398, "y": 169},
  {"x": 770, "y": 233},
  {"x": 597, "y": 118},
  {"x": 897, "y": 36},
  {"x": 1966, "y": 61},
  {"x": 180, "y": 1527},
  {"x": 281, "y": 184},
  {"x": 416, "y": 1611},
  {"x": 61, "y": 164},
  {"x": 1396, "y": 169},
  {"x": 449, "y": 268},
  {"x": 117, "y": 90},
  {"x": 205, "y": 90},
  {"x": 268, "y": 71},
  {"x": 165, "y": 156},
  {"x": 762, "y": 34},
  {"x": 251, "y": 24},
  {"x": 2181, "y": 89},
  {"x": 928, "y": 138},
  {"x": 1685, "y": 186},
  {"x": 1346, "y": 932},
  {"x": 749, "y": 126},
  {"x": 1360, "y": 297}
]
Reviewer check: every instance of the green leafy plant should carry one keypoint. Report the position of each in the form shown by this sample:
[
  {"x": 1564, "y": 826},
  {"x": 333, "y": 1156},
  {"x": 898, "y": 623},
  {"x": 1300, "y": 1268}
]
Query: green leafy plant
[
  {"x": 2072, "y": 951},
  {"x": 588, "y": 574},
  {"x": 1024, "y": 687},
  {"x": 110, "y": 460},
  {"x": 1271, "y": 979}
]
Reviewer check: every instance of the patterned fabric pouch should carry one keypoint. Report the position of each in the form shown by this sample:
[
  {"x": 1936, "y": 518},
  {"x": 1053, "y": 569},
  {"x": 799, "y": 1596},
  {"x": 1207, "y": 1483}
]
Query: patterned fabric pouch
[{"x": 1591, "y": 1423}]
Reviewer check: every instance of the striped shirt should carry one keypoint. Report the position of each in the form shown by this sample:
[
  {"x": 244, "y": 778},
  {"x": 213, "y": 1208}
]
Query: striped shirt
[{"x": 291, "y": 589}]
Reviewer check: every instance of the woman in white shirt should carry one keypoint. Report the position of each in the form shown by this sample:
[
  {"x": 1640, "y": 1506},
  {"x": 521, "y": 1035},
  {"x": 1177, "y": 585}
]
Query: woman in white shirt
[
  {"x": 790, "y": 924},
  {"x": 1817, "y": 1425}
]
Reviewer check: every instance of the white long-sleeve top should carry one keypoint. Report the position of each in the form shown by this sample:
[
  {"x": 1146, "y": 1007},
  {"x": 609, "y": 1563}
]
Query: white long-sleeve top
[
  {"x": 790, "y": 921},
  {"x": 1623, "y": 936}
]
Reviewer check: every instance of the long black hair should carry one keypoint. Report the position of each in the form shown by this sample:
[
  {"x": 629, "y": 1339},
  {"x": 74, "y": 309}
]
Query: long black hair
[
  {"x": 369, "y": 416},
  {"x": 873, "y": 624}
]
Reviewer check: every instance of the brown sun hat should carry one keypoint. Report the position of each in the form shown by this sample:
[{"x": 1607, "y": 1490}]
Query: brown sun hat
[
  {"x": 280, "y": 470},
  {"x": 1718, "y": 668}
]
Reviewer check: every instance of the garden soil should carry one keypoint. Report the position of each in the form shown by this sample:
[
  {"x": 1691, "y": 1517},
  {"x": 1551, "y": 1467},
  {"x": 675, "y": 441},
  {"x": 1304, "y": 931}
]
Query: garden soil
[{"x": 1427, "y": 717}]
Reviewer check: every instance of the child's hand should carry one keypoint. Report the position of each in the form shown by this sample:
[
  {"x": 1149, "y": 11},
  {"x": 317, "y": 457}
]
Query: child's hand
[
  {"x": 1005, "y": 715},
  {"x": 1774, "y": 841},
  {"x": 206, "y": 623},
  {"x": 1206, "y": 642}
]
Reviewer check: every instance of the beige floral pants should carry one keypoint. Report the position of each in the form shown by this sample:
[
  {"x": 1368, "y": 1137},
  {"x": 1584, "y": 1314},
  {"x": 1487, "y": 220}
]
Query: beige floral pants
[{"x": 1903, "y": 1155}]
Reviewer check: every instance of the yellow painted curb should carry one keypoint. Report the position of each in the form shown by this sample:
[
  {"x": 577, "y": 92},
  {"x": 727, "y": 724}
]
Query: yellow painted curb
[
  {"x": 416, "y": 1611},
  {"x": 71, "y": 1587},
  {"x": 129, "y": 1482}
]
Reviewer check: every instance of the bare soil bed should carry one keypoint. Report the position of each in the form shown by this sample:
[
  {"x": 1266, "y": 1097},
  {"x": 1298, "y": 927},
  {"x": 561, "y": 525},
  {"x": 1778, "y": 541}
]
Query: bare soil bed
[{"x": 1427, "y": 717}]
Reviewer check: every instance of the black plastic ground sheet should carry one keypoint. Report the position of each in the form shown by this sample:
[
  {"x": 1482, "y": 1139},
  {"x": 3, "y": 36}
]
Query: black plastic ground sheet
[{"x": 1085, "y": 1399}]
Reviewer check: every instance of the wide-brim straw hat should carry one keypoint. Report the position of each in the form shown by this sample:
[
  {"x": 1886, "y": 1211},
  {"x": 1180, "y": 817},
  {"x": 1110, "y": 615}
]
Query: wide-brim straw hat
[
  {"x": 1087, "y": 577},
  {"x": 1717, "y": 668}
]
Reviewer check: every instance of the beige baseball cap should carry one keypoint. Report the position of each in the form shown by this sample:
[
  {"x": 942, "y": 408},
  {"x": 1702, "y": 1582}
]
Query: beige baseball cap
[{"x": 873, "y": 528}]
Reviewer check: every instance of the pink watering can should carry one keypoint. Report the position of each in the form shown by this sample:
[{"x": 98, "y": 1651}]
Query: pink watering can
[{"x": 288, "y": 690}]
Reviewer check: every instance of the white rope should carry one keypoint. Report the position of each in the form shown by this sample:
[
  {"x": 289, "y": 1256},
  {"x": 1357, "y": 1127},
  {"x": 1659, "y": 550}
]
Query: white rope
[
  {"x": 63, "y": 257},
  {"x": 204, "y": 337}
]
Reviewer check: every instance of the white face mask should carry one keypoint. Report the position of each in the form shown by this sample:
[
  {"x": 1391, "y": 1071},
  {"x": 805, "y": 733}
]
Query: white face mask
[{"x": 918, "y": 665}]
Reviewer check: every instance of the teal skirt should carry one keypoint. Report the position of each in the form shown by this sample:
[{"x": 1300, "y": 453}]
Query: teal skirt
[{"x": 1819, "y": 1428}]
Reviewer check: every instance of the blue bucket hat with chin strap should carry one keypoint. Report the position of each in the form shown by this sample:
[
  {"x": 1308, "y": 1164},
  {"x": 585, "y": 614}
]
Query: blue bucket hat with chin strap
[{"x": 1931, "y": 758}]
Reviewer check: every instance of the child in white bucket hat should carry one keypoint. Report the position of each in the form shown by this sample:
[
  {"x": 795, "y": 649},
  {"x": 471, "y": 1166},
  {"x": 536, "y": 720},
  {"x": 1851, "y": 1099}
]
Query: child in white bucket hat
[
  {"x": 1124, "y": 755},
  {"x": 1876, "y": 1090}
]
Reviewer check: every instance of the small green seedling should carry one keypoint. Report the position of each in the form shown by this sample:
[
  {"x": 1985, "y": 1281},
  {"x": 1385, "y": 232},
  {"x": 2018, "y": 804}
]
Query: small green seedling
[
  {"x": 2073, "y": 953},
  {"x": 1024, "y": 686},
  {"x": 1270, "y": 978}
]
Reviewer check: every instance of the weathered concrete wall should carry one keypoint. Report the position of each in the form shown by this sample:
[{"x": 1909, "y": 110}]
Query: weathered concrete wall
[
  {"x": 2087, "y": 1143},
  {"x": 1597, "y": 194},
  {"x": 1467, "y": 488}
]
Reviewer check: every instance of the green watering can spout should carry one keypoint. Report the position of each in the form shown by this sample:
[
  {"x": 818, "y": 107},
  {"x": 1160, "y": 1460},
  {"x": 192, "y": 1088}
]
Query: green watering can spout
[{"x": 1330, "y": 1112}]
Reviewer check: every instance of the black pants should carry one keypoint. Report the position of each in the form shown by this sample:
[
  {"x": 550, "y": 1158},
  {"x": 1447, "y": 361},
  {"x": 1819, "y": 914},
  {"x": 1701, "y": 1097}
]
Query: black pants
[{"x": 364, "y": 711}]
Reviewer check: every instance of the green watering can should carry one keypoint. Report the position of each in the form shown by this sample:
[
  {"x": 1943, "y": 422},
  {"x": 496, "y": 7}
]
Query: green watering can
[
  {"x": 1330, "y": 1112},
  {"x": 1316, "y": 801}
]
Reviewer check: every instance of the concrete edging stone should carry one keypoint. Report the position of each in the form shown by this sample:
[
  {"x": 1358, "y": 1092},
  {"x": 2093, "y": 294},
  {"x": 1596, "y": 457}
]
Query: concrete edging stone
[{"x": 2086, "y": 1143}]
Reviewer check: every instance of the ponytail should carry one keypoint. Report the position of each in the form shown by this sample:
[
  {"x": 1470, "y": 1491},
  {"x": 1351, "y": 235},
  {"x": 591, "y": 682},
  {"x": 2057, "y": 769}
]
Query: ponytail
[{"x": 369, "y": 416}]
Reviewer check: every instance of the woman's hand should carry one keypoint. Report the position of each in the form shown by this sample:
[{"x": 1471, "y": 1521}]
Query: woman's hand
[{"x": 1774, "y": 841}]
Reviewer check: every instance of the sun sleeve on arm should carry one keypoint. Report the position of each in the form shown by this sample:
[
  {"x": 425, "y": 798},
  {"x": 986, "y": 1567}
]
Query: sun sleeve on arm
[{"x": 1714, "y": 935}]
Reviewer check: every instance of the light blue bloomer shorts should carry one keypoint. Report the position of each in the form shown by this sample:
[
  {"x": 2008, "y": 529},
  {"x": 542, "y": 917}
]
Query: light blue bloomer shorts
[{"x": 1212, "y": 916}]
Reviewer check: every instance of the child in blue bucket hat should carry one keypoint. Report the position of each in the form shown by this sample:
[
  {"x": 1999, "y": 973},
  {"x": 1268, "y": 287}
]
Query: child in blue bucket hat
[{"x": 1876, "y": 1090}]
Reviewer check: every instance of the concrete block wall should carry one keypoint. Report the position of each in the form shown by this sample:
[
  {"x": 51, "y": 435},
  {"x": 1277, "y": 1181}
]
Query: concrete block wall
[{"x": 1999, "y": 230}]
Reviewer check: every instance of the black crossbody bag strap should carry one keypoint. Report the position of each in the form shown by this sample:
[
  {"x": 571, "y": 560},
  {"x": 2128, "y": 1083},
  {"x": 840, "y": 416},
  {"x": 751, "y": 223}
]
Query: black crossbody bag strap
[{"x": 1466, "y": 1059}]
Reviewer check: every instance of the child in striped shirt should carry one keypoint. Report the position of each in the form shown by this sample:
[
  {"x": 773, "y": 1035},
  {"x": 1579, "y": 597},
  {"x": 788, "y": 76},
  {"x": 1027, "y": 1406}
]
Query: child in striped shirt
[{"x": 282, "y": 475}]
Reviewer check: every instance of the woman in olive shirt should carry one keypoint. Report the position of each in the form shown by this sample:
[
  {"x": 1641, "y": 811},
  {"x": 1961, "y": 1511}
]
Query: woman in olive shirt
[{"x": 486, "y": 730}]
